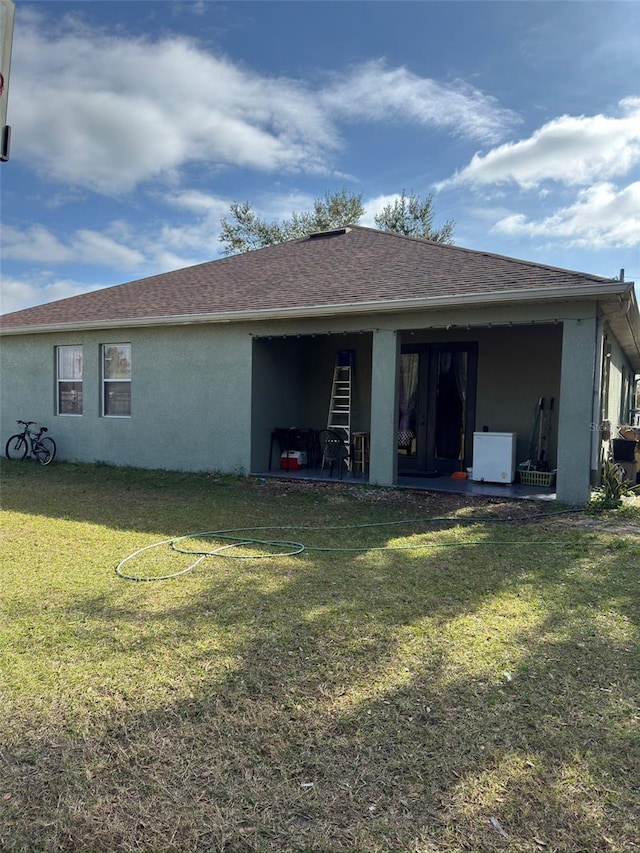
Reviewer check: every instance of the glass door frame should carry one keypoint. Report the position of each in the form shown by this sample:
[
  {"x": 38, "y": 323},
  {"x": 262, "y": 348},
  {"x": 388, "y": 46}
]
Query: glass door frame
[{"x": 424, "y": 459}]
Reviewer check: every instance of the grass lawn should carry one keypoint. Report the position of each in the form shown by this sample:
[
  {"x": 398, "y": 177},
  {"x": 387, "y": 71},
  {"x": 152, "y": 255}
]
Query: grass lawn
[{"x": 475, "y": 688}]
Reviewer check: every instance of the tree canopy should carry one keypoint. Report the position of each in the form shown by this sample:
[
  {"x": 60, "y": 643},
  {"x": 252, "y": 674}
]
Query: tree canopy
[
  {"x": 243, "y": 230},
  {"x": 411, "y": 216}
]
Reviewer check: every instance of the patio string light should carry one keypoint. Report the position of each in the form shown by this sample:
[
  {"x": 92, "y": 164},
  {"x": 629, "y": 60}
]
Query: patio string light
[{"x": 431, "y": 327}]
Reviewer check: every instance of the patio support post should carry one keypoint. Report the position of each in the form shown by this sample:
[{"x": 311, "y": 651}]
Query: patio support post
[
  {"x": 383, "y": 464},
  {"x": 575, "y": 427}
]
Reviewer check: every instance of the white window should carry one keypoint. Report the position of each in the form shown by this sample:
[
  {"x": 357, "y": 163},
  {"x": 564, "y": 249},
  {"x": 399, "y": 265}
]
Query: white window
[
  {"x": 116, "y": 380},
  {"x": 69, "y": 380}
]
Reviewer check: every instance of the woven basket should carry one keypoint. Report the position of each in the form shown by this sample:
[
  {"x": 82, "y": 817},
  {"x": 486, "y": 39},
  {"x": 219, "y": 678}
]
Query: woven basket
[{"x": 537, "y": 478}]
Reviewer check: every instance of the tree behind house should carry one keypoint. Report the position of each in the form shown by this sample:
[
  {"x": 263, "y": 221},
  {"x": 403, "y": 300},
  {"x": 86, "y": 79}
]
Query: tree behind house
[
  {"x": 243, "y": 230},
  {"x": 411, "y": 216}
]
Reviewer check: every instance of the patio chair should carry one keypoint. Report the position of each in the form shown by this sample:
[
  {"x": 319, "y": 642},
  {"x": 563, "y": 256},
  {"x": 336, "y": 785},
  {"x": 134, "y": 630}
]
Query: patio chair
[{"x": 334, "y": 450}]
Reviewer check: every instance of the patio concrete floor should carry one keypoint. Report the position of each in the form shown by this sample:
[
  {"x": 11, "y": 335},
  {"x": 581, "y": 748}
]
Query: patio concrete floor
[{"x": 445, "y": 483}]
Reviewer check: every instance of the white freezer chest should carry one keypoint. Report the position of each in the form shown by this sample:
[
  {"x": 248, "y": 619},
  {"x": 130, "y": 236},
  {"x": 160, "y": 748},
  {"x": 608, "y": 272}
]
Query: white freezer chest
[{"x": 494, "y": 457}]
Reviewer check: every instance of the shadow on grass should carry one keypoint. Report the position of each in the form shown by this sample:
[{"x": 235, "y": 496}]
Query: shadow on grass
[
  {"x": 257, "y": 763},
  {"x": 119, "y": 498},
  {"x": 388, "y": 700},
  {"x": 173, "y": 502}
]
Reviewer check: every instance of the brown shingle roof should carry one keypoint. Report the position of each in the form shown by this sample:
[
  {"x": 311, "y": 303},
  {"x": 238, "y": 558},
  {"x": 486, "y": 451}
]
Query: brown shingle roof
[{"x": 347, "y": 267}]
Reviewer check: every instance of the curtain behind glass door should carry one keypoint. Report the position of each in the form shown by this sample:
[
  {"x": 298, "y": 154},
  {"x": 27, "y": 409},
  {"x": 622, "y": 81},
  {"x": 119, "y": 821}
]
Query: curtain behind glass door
[{"x": 408, "y": 409}]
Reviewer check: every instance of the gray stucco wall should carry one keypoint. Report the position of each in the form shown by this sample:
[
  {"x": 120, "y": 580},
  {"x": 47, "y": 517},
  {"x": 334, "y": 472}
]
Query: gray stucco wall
[
  {"x": 191, "y": 397},
  {"x": 575, "y": 426},
  {"x": 620, "y": 376},
  {"x": 384, "y": 407},
  {"x": 613, "y": 408}
]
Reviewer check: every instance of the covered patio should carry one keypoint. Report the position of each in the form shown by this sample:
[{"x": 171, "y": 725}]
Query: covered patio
[
  {"x": 444, "y": 483},
  {"x": 501, "y": 371}
]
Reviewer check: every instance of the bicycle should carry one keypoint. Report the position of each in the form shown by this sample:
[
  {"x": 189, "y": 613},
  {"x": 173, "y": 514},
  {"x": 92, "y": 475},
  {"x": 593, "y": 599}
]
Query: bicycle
[{"x": 42, "y": 449}]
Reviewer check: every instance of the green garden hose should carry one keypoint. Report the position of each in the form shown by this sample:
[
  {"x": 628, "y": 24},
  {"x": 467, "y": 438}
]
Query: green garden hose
[{"x": 292, "y": 548}]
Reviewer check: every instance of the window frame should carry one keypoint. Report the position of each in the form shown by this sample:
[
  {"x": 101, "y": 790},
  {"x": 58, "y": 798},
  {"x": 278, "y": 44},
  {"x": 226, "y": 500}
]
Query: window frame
[
  {"x": 105, "y": 381},
  {"x": 60, "y": 380}
]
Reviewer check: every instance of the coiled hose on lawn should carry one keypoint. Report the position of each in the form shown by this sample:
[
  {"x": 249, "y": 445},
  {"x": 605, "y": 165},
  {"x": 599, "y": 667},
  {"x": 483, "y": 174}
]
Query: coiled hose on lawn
[{"x": 245, "y": 536}]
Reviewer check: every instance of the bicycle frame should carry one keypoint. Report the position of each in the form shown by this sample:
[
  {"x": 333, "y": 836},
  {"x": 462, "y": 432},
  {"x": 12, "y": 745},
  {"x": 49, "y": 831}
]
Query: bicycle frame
[
  {"x": 33, "y": 438},
  {"x": 31, "y": 444}
]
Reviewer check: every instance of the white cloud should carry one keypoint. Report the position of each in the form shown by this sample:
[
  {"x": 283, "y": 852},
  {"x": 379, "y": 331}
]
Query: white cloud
[
  {"x": 601, "y": 218},
  {"x": 140, "y": 250},
  {"x": 198, "y": 202},
  {"x": 93, "y": 247},
  {"x": 107, "y": 112},
  {"x": 19, "y": 293},
  {"x": 34, "y": 244},
  {"x": 377, "y": 93},
  {"x": 375, "y": 205},
  {"x": 271, "y": 205},
  {"x": 134, "y": 251},
  {"x": 38, "y": 244},
  {"x": 199, "y": 238},
  {"x": 282, "y": 205},
  {"x": 572, "y": 150}
]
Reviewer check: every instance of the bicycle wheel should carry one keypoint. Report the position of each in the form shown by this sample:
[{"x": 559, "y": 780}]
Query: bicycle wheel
[
  {"x": 44, "y": 450},
  {"x": 16, "y": 447}
]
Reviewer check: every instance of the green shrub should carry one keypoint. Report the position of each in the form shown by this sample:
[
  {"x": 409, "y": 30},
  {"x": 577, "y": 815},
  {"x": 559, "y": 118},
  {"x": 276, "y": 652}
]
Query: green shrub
[{"x": 613, "y": 486}]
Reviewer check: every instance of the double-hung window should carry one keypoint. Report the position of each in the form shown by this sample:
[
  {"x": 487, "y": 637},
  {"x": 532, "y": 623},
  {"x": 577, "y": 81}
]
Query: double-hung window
[
  {"x": 116, "y": 380},
  {"x": 69, "y": 380}
]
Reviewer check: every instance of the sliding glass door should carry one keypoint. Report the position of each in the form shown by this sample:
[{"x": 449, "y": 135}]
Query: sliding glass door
[{"x": 436, "y": 412}]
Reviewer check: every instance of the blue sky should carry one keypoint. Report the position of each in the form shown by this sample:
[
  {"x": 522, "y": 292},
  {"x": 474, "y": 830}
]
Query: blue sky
[{"x": 135, "y": 124}]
